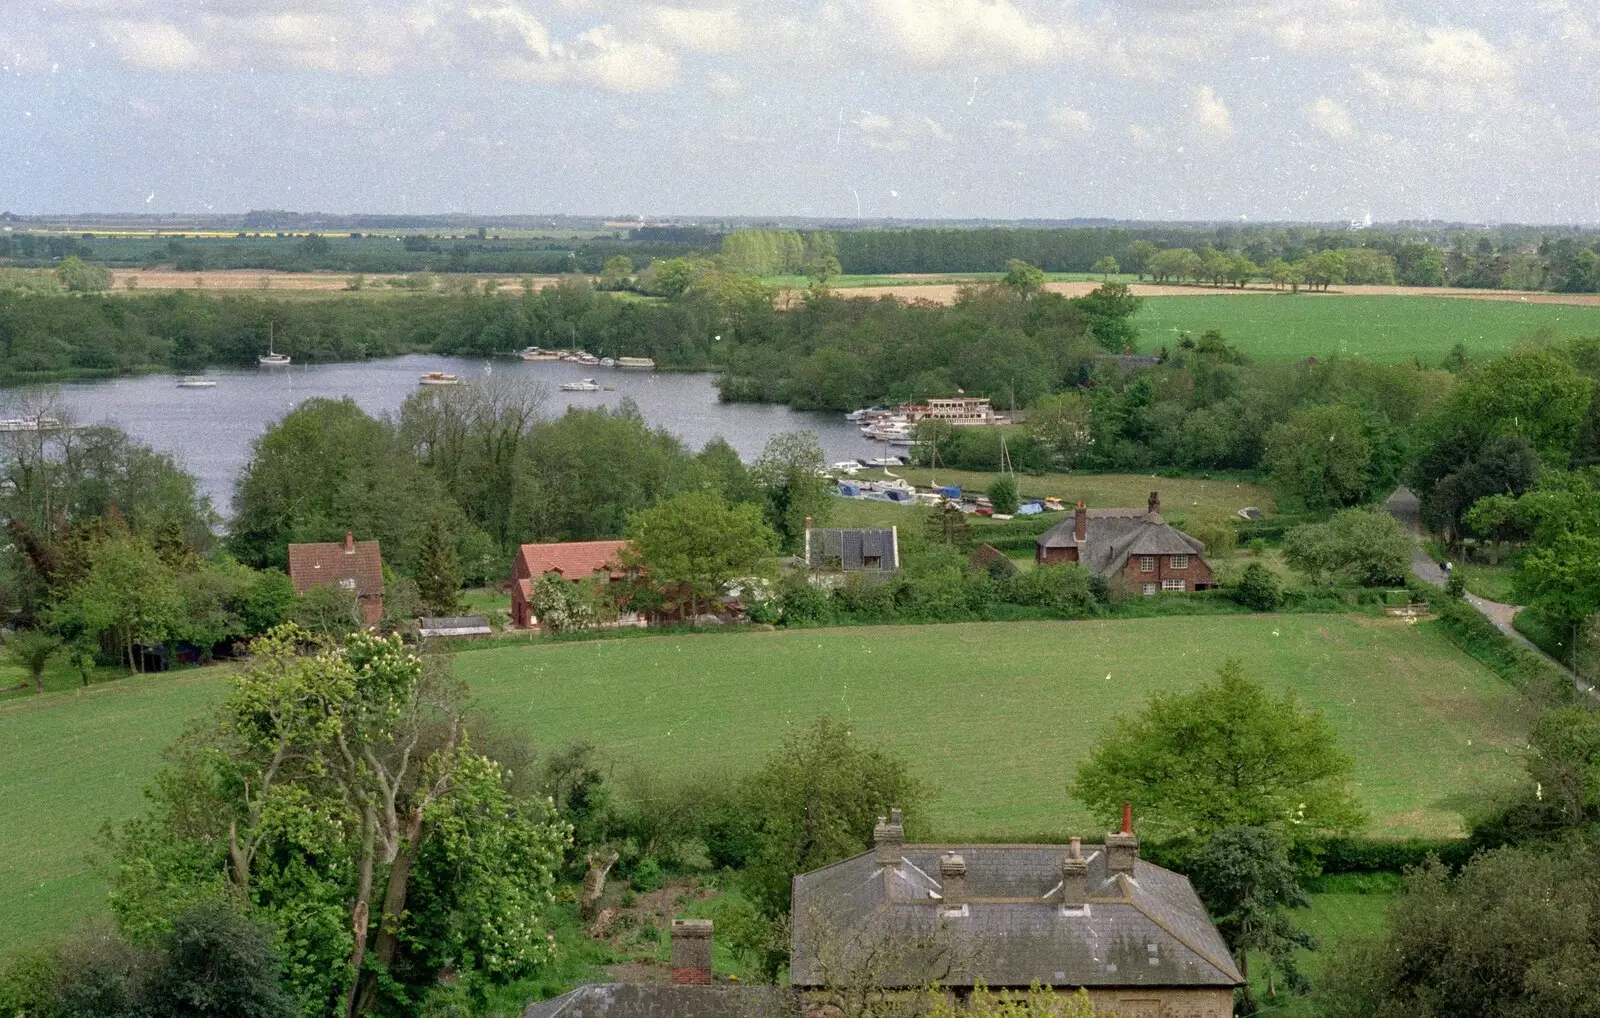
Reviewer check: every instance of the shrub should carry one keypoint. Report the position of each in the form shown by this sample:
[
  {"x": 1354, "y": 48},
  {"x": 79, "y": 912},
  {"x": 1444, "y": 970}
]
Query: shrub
[
  {"x": 646, "y": 876},
  {"x": 1258, "y": 588},
  {"x": 1365, "y": 545},
  {"x": 1456, "y": 585},
  {"x": 1003, "y": 494},
  {"x": 1063, "y": 589},
  {"x": 216, "y": 963}
]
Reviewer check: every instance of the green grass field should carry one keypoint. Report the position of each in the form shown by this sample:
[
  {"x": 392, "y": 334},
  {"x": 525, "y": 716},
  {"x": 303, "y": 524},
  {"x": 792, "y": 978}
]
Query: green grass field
[
  {"x": 992, "y": 716},
  {"x": 1273, "y": 327}
]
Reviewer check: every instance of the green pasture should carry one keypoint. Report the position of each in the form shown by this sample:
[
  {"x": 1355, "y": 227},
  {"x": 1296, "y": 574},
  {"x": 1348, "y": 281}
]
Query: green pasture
[
  {"x": 1284, "y": 326},
  {"x": 847, "y": 282},
  {"x": 993, "y": 716}
]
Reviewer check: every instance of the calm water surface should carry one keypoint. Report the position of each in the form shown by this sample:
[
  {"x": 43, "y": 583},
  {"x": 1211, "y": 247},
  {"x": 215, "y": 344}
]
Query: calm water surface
[{"x": 210, "y": 430}]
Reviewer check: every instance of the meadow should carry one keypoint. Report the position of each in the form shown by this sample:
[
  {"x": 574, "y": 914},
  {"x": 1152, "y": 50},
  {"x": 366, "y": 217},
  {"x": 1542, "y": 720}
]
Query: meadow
[
  {"x": 1275, "y": 327},
  {"x": 993, "y": 716}
]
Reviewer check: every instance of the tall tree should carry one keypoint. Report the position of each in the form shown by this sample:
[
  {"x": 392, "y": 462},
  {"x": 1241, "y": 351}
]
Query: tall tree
[
  {"x": 694, "y": 543},
  {"x": 1245, "y": 878},
  {"x": 1223, "y": 755},
  {"x": 790, "y": 474},
  {"x": 438, "y": 573}
]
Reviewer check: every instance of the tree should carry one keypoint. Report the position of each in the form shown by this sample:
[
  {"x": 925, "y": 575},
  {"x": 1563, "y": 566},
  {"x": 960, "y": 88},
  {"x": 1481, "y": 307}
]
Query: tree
[
  {"x": 78, "y": 276},
  {"x": 1137, "y": 258},
  {"x": 1063, "y": 422},
  {"x": 947, "y": 524},
  {"x": 1321, "y": 456},
  {"x": 1224, "y": 755},
  {"x": 127, "y": 596},
  {"x": 1106, "y": 266},
  {"x": 1024, "y": 278},
  {"x": 791, "y": 476},
  {"x": 216, "y": 963},
  {"x": 328, "y": 612},
  {"x": 1110, "y": 308},
  {"x": 339, "y": 800},
  {"x": 1245, "y": 878},
  {"x": 438, "y": 575},
  {"x": 1003, "y": 494},
  {"x": 1364, "y": 545},
  {"x": 616, "y": 270},
  {"x": 560, "y": 605},
  {"x": 815, "y": 801},
  {"x": 1258, "y": 588},
  {"x": 1512, "y": 935},
  {"x": 822, "y": 270},
  {"x": 693, "y": 544},
  {"x": 32, "y": 649}
]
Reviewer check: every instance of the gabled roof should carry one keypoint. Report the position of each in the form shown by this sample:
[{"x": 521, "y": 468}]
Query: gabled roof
[
  {"x": 633, "y": 1000},
  {"x": 574, "y": 560},
  {"x": 848, "y": 548},
  {"x": 1112, "y": 535},
  {"x": 330, "y": 564},
  {"x": 1147, "y": 930}
]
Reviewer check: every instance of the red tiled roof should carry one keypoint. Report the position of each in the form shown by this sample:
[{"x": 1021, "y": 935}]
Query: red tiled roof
[
  {"x": 316, "y": 565},
  {"x": 573, "y": 559}
]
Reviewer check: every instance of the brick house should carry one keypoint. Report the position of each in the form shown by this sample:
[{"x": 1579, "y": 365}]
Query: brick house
[
  {"x": 356, "y": 566},
  {"x": 1135, "y": 546},
  {"x": 1134, "y": 935},
  {"x": 571, "y": 560}
]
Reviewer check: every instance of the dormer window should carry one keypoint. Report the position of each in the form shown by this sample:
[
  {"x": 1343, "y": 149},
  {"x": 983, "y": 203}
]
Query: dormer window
[{"x": 348, "y": 583}]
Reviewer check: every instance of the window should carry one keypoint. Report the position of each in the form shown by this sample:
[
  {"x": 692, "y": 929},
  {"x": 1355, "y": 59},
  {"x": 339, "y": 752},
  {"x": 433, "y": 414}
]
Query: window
[
  {"x": 1171, "y": 584},
  {"x": 1147, "y": 564},
  {"x": 1149, "y": 588},
  {"x": 872, "y": 561},
  {"x": 1180, "y": 562}
]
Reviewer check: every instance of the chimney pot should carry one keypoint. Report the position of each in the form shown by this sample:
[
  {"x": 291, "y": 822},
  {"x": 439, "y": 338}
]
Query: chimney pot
[
  {"x": 953, "y": 878},
  {"x": 349, "y": 543},
  {"x": 1080, "y": 523},
  {"x": 1127, "y": 818},
  {"x": 691, "y": 952},
  {"x": 889, "y": 839},
  {"x": 1155, "y": 502}
]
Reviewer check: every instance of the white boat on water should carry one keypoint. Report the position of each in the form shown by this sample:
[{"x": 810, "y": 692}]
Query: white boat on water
[
  {"x": 438, "y": 378},
  {"x": 865, "y": 413},
  {"x": 196, "y": 382},
  {"x": 272, "y": 359},
  {"x": 608, "y": 362},
  {"x": 534, "y": 353},
  {"x": 35, "y": 423},
  {"x": 582, "y": 385},
  {"x": 636, "y": 363}
]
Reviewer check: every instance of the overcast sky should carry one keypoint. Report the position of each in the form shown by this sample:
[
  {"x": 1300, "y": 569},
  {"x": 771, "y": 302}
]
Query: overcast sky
[{"x": 1475, "y": 110}]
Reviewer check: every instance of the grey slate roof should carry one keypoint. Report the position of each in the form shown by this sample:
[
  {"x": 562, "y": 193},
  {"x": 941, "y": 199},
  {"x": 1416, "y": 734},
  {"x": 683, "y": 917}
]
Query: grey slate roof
[
  {"x": 833, "y": 548},
  {"x": 1147, "y": 930},
  {"x": 634, "y": 1000},
  {"x": 461, "y": 625},
  {"x": 1112, "y": 535}
]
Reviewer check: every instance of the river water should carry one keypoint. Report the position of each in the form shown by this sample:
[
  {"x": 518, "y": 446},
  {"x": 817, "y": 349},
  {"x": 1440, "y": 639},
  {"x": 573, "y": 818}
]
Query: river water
[{"x": 210, "y": 431}]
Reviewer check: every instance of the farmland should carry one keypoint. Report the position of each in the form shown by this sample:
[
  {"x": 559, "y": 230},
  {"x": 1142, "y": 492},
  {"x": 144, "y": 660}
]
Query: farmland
[{"x": 993, "y": 716}]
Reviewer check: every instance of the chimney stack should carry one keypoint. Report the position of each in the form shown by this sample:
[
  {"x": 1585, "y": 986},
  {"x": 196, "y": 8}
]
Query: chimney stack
[
  {"x": 953, "y": 879},
  {"x": 1080, "y": 523},
  {"x": 349, "y": 543},
  {"x": 1122, "y": 847},
  {"x": 1155, "y": 502},
  {"x": 889, "y": 839},
  {"x": 691, "y": 952},
  {"x": 1075, "y": 876}
]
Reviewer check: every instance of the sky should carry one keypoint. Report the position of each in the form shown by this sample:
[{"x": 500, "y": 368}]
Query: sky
[{"x": 1309, "y": 110}]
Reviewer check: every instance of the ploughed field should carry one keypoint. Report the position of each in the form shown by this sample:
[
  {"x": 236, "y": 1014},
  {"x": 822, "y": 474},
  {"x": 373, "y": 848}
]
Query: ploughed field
[{"x": 993, "y": 716}]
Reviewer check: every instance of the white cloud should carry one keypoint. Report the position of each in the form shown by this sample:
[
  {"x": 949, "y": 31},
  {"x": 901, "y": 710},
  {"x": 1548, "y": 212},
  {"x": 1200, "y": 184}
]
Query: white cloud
[
  {"x": 701, "y": 29},
  {"x": 152, "y": 45},
  {"x": 1332, "y": 119},
  {"x": 722, "y": 83},
  {"x": 1209, "y": 116},
  {"x": 940, "y": 33},
  {"x": 890, "y": 134},
  {"x": 1072, "y": 122}
]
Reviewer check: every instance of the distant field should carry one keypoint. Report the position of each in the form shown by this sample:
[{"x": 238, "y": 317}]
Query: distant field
[
  {"x": 993, "y": 716},
  {"x": 1382, "y": 328}
]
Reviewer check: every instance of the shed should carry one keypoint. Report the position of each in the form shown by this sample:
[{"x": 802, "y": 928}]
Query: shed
[{"x": 460, "y": 625}]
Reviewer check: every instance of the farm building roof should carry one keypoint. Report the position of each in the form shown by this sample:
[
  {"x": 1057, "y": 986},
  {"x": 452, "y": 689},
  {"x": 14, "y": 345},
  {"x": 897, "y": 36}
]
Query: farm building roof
[
  {"x": 633, "y": 1000},
  {"x": 834, "y": 548},
  {"x": 1012, "y": 928},
  {"x": 354, "y": 565},
  {"x": 572, "y": 559}
]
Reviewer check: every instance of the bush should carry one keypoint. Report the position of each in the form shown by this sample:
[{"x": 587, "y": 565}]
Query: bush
[
  {"x": 1064, "y": 589},
  {"x": 1456, "y": 585},
  {"x": 1258, "y": 588},
  {"x": 1365, "y": 545},
  {"x": 646, "y": 876},
  {"x": 1003, "y": 494},
  {"x": 216, "y": 964}
]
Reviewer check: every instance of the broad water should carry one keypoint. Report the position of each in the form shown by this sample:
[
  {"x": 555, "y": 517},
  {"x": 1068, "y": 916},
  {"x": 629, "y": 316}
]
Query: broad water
[{"x": 210, "y": 431}]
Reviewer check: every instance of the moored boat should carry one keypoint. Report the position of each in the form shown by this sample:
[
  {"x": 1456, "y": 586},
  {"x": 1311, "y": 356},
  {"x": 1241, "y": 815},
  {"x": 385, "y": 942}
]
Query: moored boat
[
  {"x": 196, "y": 382},
  {"x": 581, "y": 385},
  {"x": 636, "y": 363},
  {"x": 33, "y": 423},
  {"x": 608, "y": 362},
  {"x": 272, "y": 359},
  {"x": 534, "y": 353},
  {"x": 438, "y": 378}
]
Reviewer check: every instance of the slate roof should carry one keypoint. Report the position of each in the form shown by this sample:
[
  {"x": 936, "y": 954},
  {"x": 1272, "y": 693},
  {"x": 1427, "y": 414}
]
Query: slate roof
[
  {"x": 834, "y": 548},
  {"x": 320, "y": 565},
  {"x": 574, "y": 560},
  {"x": 460, "y": 625},
  {"x": 633, "y": 1000},
  {"x": 1112, "y": 535},
  {"x": 1148, "y": 930}
]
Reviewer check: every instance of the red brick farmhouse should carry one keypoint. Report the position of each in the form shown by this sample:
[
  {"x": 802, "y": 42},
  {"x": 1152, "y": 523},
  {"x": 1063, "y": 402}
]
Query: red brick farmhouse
[{"x": 1135, "y": 546}]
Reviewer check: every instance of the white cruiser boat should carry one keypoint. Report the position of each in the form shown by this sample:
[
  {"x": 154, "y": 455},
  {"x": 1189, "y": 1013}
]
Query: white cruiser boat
[
  {"x": 582, "y": 385},
  {"x": 636, "y": 363},
  {"x": 196, "y": 382},
  {"x": 534, "y": 353}
]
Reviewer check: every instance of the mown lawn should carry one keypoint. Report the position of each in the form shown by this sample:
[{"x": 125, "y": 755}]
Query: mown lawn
[
  {"x": 1383, "y": 328},
  {"x": 1333, "y": 919},
  {"x": 994, "y": 716}
]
